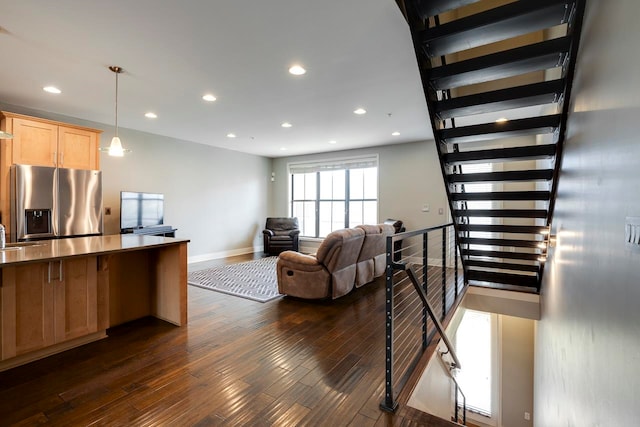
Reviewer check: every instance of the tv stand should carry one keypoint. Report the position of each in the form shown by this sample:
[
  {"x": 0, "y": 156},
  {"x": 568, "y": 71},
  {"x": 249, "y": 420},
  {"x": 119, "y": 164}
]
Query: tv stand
[{"x": 162, "y": 230}]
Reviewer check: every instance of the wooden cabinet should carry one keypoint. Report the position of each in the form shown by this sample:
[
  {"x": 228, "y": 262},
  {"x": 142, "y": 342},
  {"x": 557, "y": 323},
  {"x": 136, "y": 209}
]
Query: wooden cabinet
[
  {"x": 41, "y": 142},
  {"x": 47, "y": 303},
  {"x": 34, "y": 143}
]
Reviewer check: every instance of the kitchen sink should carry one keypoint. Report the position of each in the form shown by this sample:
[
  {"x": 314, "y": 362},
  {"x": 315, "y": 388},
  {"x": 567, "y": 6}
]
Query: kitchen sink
[{"x": 19, "y": 245}]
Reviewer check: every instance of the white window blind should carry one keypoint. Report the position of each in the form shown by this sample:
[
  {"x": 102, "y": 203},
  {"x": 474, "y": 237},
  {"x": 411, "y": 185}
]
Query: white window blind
[{"x": 338, "y": 164}]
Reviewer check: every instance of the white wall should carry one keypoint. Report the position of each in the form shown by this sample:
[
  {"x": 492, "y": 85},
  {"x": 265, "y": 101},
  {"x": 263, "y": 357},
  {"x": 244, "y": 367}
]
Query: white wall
[
  {"x": 217, "y": 198},
  {"x": 587, "y": 370},
  {"x": 409, "y": 176},
  {"x": 513, "y": 360}
]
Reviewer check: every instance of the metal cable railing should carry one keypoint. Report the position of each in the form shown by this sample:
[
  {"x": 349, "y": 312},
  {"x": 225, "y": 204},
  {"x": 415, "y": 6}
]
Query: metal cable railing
[
  {"x": 457, "y": 391},
  {"x": 423, "y": 281}
]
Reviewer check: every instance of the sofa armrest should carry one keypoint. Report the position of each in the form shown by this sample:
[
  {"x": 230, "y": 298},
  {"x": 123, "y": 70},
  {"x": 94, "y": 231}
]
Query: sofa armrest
[
  {"x": 298, "y": 260},
  {"x": 268, "y": 233}
]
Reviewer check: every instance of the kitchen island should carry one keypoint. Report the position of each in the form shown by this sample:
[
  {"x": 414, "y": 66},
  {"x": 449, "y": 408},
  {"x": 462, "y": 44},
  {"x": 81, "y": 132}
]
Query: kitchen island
[{"x": 62, "y": 293}]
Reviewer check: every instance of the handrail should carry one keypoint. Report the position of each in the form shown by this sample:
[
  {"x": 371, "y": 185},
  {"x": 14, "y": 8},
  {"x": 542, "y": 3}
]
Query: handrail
[
  {"x": 414, "y": 318},
  {"x": 434, "y": 318},
  {"x": 458, "y": 390}
]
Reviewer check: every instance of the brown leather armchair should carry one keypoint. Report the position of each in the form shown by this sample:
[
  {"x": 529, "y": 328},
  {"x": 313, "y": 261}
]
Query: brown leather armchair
[{"x": 280, "y": 234}]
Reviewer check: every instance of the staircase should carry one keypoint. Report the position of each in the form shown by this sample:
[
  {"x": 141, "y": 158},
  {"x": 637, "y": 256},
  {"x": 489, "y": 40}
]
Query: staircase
[{"x": 497, "y": 78}]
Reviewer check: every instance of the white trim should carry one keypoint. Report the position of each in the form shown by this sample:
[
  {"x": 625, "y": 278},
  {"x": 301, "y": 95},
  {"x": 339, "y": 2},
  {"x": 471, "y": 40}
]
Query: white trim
[{"x": 224, "y": 254}]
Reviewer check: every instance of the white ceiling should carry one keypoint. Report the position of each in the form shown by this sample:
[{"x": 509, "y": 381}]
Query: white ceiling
[{"x": 358, "y": 53}]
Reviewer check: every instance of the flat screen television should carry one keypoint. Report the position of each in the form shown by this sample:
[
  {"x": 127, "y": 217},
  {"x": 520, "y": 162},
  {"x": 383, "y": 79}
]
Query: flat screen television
[{"x": 139, "y": 210}]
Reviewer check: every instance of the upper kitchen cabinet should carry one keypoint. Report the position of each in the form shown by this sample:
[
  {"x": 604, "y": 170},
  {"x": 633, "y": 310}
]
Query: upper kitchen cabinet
[{"x": 41, "y": 142}]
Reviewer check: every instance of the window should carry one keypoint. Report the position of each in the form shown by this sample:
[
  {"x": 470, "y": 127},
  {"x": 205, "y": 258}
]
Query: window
[
  {"x": 327, "y": 196},
  {"x": 474, "y": 343}
]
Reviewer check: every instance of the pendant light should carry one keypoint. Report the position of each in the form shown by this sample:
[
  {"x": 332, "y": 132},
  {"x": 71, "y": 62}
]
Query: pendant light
[{"x": 115, "y": 148}]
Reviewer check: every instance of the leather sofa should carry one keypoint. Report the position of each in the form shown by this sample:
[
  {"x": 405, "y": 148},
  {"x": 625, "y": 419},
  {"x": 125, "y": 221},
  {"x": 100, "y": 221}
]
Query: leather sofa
[
  {"x": 346, "y": 259},
  {"x": 331, "y": 272},
  {"x": 280, "y": 234},
  {"x": 372, "y": 260}
]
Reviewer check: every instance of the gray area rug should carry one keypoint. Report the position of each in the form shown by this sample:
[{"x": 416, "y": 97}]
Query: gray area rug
[{"x": 255, "y": 280}]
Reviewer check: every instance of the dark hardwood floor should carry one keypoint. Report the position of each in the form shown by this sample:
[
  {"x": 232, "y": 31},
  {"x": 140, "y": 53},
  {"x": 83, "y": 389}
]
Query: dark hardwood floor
[{"x": 238, "y": 362}]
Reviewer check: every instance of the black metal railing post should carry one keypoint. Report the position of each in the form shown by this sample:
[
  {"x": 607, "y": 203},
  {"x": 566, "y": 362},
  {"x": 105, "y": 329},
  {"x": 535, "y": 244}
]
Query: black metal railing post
[
  {"x": 444, "y": 272},
  {"x": 425, "y": 286},
  {"x": 455, "y": 418},
  {"x": 455, "y": 265},
  {"x": 389, "y": 404}
]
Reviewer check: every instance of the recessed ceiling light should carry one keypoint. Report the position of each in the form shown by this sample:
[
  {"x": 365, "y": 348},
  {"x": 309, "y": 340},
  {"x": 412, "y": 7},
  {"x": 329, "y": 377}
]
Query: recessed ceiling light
[
  {"x": 209, "y": 97},
  {"x": 502, "y": 120},
  {"x": 333, "y": 142},
  {"x": 286, "y": 125},
  {"x": 231, "y": 135},
  {"x": 360, "y": 111},
  {"x": 297, "y": 70},
  {"x": 151, "y": 115},
  {"x": 283, "y": 148},
  {"x": 52, "y": 89},
  {"x": 396, "y": 133}
]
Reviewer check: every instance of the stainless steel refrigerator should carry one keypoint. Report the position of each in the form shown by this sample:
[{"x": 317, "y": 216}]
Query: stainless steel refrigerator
[{"x": 49, "y": 202}]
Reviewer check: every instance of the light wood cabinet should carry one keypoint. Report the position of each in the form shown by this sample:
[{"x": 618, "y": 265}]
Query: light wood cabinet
[
  {"x": 41, "y": 142},
  {"x": 47, "y": 303},
  {"x": 34, "y": 143}
]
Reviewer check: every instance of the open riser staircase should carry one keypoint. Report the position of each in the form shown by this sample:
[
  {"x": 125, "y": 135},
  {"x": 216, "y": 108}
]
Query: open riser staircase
[{"x": 497, "y": 78}]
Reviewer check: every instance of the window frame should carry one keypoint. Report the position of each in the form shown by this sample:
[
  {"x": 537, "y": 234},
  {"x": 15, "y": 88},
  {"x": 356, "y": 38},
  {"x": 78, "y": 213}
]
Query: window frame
[{"x": 345, "y": 164}]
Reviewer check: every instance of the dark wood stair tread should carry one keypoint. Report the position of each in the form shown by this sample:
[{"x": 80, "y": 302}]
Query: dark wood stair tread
[
  {"x": 489, "y": 131},
  {"x": 503, "y": 99},
  {"x": 493, "y": 25},
  {"x": 499, "y": 228},
  {"x": 525, "y": 175},
  {"x": 501, "y": 213},
  {"x": 501, "y": 254},
  {"x": 500, "y": 242},
  {"x": 539, "y": 56},
  {"x": 502, "y": 195},
  {"x": 505, "y": 278},
  {"x": 532, "y": 152},
  {"x": 502, "y": 265}
]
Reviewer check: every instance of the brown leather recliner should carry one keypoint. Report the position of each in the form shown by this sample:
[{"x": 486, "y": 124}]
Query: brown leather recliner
[
  {"x": 330, "y": 273},
  {"x": 280, "y": 234},
  {"x": 372, "y": 261}
]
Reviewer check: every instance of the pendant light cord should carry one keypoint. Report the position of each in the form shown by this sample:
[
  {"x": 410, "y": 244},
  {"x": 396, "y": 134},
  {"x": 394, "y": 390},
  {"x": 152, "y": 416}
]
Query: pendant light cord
[{"x": 117, "y": 72}]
